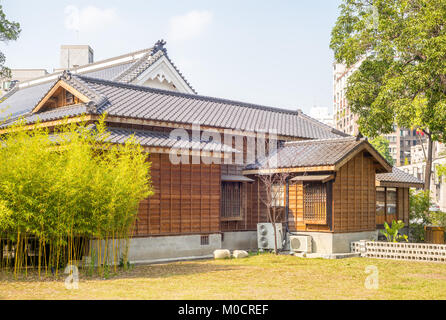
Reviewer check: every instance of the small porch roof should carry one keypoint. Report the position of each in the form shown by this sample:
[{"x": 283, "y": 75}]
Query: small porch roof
[
  {"x": 319, "y": 178},
  {"x": 398, "y": 178},
  {"x": 316, "y": 156},
  {"x": 235, "y": 178}
]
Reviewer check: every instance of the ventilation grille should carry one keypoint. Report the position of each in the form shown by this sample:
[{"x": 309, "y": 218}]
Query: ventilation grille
[{"x": 204, "y": 240}]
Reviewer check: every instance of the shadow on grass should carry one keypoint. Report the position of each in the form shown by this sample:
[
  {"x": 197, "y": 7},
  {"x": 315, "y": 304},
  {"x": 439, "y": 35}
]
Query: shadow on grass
[{"x": 153, "y": 271}]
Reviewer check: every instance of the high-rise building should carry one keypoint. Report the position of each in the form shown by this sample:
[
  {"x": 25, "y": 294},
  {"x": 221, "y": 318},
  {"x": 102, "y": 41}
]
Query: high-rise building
[
  {"x": 323, "y": 115},
  {"x": 344, "y": 119},
  {"x": 400, "y": 141}
]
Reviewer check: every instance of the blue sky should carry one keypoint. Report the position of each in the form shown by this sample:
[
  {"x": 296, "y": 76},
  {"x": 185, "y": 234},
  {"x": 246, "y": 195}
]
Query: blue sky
[{"x": 268, "y": 52}]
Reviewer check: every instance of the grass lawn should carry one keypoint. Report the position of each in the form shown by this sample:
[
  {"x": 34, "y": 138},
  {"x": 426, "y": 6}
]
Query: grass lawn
[{"x": 258, "y": 277}]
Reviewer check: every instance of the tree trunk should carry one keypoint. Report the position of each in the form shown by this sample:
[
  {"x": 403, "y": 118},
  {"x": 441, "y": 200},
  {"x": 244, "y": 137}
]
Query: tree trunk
[
  {"x": 428, "y": 170},
  {"x": 273, "y": 222}
]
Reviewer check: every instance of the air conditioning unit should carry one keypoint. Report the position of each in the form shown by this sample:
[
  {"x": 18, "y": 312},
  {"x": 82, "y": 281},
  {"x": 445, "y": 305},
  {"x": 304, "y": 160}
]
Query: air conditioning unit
[
  {"x": 301, "y": 244},
  {"x": 265, "y": 235}
]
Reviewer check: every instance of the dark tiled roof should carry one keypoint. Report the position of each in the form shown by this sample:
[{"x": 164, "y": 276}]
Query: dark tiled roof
[
  {"x": 24, "y": 100},
  {"x": 310, "y": 153},
  {"x": 129, "y": 74},
  {"x": 110, "y": 72},
  {"x": 125, "y": 100},
  {"x": 164, "y": 140},
  {"x": 54, "y": 114},
  {"x": 398, "y": 176}
]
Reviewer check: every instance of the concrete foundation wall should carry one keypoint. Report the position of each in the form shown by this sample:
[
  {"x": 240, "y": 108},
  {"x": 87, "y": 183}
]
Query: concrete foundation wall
[
  {"x": 159, "y": 249},
  {"x": 171, "y": 247},
  {"x": 336, "y": 242},
  {"x": 242, "y": 240}
]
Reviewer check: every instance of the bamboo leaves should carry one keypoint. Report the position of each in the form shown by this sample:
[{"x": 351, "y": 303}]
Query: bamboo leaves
[{"x": 70, "y": 184}]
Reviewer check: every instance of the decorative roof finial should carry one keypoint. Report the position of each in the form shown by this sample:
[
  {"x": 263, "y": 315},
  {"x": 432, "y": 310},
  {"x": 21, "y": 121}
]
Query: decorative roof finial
[
  {"x": 159, "y": 45},
  {"x": 91, "y": 106},
  {"x": 66, "y": 75}
]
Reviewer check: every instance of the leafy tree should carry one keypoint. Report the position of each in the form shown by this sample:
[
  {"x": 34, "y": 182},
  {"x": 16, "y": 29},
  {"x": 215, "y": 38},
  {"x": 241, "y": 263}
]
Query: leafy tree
[
  {"x": 8, "y": 31},
  {"x": 381, "y": 144},
  {"x": 402, "y": 77},
  {"x": 419, "y": 214}
]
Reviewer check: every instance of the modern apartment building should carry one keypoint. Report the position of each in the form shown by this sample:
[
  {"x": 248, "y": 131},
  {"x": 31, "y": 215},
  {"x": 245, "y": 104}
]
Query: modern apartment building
[
  {"x": 400, "y": 141},
  {"x": 323, "y": 115},
  {"x": 418, "y": 166}
]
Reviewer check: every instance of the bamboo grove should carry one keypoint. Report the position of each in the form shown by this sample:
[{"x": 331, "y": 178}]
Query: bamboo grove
[{"x": 68, "y": 197}]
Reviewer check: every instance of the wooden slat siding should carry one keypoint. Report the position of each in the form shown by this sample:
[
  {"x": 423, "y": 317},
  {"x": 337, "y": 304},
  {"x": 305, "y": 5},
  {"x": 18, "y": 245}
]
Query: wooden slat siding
[
  {"x": 372, "y": 196},
  {"x": 357, "y": 190},
  {"x": 184, "y": 199},
  {"x": 407, "y": 205},
  {"x": 353, "y": 204},
  {"x": 186, "y": 190},
  {"x": 354, "y": 196},
  {"x": 155, "y": 200},
  {"x": 403, "y": 204},
  {"x": 364, "y": 194}
]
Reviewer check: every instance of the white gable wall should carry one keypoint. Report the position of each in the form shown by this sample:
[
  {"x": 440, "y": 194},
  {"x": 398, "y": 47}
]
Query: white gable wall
[{"x": 162, "y": 75}]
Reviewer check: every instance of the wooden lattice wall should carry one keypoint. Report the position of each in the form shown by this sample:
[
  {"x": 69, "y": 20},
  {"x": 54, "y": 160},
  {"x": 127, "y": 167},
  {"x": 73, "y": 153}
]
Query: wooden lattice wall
[{"x": 186, "y": 199}]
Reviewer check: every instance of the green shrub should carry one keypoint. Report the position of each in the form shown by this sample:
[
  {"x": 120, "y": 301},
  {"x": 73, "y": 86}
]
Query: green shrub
[
  {"x": 392, "y": 233},
  {"x": 421, "y": 216}
]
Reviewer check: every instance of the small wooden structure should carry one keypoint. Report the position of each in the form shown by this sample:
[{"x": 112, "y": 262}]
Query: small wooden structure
[
  {"x": 392, "y": 196},
  {"x": 331, "y": 187},
  {"x": 434, "y": 234}
]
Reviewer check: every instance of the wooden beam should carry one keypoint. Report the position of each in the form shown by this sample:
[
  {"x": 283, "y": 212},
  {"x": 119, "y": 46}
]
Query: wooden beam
[
  {"x": 398, "y": 184},
  {"x": 365, "y": 146},
  {"x": 54, "y": 123},
  {"x": 289, "y": 170},
  {"x": 57, "y": 85}
]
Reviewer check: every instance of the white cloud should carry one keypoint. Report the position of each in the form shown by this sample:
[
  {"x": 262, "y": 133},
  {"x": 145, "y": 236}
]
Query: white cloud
[
  {"x": 89, "y": 18},
  {"x": 189, "y": 25}
]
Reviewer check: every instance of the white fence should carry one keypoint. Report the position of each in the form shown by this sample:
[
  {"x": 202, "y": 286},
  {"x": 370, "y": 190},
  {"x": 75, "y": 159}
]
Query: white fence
[{"x": 400, "y": 251}]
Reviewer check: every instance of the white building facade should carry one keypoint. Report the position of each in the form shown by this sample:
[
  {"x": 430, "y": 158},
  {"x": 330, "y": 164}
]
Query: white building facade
[
  {"x": 418, "y": 166},
  {"x": 400, "y": 141}
]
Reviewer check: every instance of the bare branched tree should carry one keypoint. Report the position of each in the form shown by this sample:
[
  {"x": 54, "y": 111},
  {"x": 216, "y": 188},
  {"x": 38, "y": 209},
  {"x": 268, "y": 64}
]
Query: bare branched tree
[{"x": 274, "y": 196}]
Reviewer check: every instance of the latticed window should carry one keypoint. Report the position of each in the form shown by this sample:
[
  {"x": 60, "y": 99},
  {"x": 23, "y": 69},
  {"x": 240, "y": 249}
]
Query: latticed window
[
  {"x": 231, "y": 204},
  {"x": 315, "y": 202}
]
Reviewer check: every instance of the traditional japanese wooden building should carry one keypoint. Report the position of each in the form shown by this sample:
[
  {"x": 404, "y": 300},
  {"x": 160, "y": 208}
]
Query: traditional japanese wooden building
[{"x": 213, "y": 203}]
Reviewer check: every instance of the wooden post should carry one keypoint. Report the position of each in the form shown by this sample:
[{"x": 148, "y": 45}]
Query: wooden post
[{"x": 434, "y": 234}]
